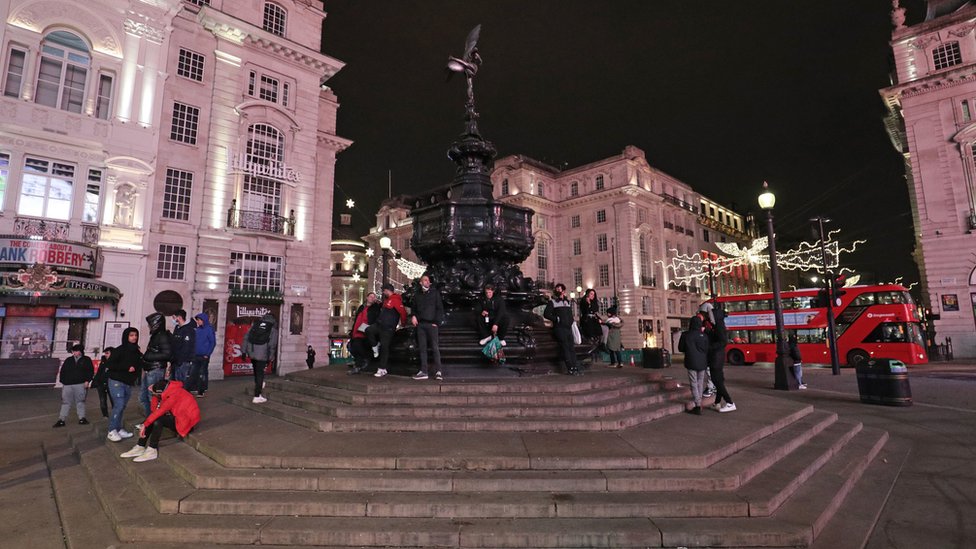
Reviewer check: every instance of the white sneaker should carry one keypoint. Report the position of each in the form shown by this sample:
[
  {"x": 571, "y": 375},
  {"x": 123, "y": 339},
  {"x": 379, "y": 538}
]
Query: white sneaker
[
  {"x": 802, "y": 386},
  {"x": 503, "y": 342},
  {"x": 125, "y": 434},
  {"x": 149, "y": 455},
  {"x": 420, "y": 376},
  {"x": 727, "y": 407},
  {"x": 484, "y": 341},
  {"x": 380, "y": 372},
  {"x": 259, "y": 399},
  {"x": 114, "y": 436},
  {"x": 136, "y": 451},
  {"x": 376, "y": 351}
]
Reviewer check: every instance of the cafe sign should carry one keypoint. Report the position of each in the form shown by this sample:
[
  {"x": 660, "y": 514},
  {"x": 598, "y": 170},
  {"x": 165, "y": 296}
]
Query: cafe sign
[{"x": 59, "y": 256}]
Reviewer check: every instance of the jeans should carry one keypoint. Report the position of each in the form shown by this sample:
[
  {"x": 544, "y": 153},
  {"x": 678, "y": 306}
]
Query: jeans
[
  {"x": 120, "y": 393},
  {"x": 484, "y": 328},
  {"x": 148, "y": 378},
  {"x": 258, "y": 366},
  {"x": 798, "y": 373},
  {"x": 427, "y": 332},
  {"x": 616, "y": 357},
  {"x": 73, "y": 394},
  {"x": 199, "y": 372},
  {"x": 182, "y": 371}
]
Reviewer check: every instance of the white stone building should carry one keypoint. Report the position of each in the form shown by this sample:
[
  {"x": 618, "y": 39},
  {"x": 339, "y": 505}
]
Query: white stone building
[
  {"x": 188, "y": 146},
  {"x": 932, "y": 123},
  {"x": 350, "y": 284}
]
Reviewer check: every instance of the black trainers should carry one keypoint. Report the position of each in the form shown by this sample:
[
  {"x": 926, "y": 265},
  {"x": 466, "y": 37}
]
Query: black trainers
[
  {"x": 83, "y": 421},
  {"x": 60, "y": 423}
]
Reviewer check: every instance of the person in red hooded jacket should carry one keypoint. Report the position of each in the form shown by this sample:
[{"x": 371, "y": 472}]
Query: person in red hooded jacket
[{"x": 173, "y": 407}]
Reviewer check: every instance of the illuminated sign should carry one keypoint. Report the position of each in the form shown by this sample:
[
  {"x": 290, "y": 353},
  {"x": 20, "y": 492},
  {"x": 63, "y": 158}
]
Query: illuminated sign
[
  {"x": 77, "y": 313},
  {"x": 57, "y": 255},
  {"x": 239, "y": 163}
]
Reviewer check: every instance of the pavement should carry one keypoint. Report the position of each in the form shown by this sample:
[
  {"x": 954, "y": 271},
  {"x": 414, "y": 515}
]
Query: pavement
[{"x": 932, "y": 504}]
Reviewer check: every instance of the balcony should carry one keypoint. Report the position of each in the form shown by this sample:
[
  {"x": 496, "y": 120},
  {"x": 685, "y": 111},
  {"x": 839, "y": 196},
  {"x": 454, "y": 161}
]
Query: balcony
[
  {"x": 648, "y": 281},
  {"x": 45, "y": 229},
  {"x": 679, "y": 203},
  {"x": 252, "y": 220}
]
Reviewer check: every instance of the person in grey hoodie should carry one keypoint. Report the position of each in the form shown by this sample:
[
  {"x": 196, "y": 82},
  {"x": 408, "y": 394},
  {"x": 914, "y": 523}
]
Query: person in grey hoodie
[
  {"x": 694, "y": 344},
  {"x": 261, "y": 345}
]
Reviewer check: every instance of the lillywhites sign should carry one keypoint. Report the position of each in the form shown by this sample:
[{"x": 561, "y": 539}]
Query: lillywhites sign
[
  {"x": 57, "y": 255},
  {"x": 239, "y": 163},
  {"x": 251, "y": 310}
]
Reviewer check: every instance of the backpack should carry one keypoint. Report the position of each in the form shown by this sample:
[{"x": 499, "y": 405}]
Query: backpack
[{"x": 260, "y": 333}]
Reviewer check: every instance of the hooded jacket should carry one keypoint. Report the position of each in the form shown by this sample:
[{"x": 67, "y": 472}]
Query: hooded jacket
[
  {"x": 123, "y": 357},
  {"x": 694, "y": 344},
  {"x": 365, "y": 314},
  {"x": 495, "y": 307},
  {"x": 184, "y": 342},
  {"x": 718, "y": 338},
  {"x": 262, "y": 351},
  {"x": 177, "y": 401},
  {"x": 392, "y": 312},
  {"x": 159, "y": 350},
  {"x": 206, "y": 339}
]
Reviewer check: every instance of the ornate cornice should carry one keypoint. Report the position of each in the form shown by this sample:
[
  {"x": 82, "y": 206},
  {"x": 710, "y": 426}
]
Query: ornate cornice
[
  {"x": 144, "y": 29},
  {"x": 338, "y": 143},
  {"x": 939, "y": 82},
  {"x": 326, "y": 65}
]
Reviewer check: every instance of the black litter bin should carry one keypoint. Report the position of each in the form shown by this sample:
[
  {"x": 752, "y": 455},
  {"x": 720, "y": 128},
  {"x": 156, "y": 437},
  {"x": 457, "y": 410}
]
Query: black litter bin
[
  {"x": 884, "y": 381},
  {"x": 656, "y": 357}
]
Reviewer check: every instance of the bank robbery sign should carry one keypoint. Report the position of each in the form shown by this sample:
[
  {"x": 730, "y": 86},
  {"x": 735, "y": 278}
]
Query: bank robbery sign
[{"x": 57, "y": 255}]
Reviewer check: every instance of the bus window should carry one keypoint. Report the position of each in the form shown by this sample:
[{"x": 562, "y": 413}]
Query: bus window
[
  {"x": 738, "y": 336},
  {"x": 888, "y": 332},
  {"x": 915, "y": 334},
  {"x": 800, "y": 302},
  {"x": 760, "y": 305},
  {"x": 761, "y": 336},
  {"x": 889, "y": 298},
  {"x": 864, "y": 299},
  {"x": 816, "y": 335},
  {"x": 907, "y": 298},
  {"x": 735, "y": 306}
]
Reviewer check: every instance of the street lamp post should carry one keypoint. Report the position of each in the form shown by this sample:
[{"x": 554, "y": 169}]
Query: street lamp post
[
  {"x": 783, "y": 378},
  {"x": 829, "y": 284},
  {"x": 385, "y": 244}
]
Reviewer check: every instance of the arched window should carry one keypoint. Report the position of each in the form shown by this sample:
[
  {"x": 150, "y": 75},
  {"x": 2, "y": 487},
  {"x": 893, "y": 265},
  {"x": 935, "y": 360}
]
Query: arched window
[
  {"x": 262, "y": 193},
  {"x": 274, "y": 18},
  {"x": 65, "y": 60}
]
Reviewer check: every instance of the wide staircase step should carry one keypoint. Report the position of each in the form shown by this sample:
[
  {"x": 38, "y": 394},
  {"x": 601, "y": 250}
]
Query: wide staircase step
[{"x": 751, "y": 483}]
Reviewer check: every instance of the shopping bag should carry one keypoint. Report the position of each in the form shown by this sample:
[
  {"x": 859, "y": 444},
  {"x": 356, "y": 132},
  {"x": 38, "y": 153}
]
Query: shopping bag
[
  {"x": 577, "y": 337},
  {"x": 493, "y": 350}
]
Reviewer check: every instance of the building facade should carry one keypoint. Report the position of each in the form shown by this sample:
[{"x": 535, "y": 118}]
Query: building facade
[
  {"x": 350, "y": 283},
  {"x": 191, "y": 144},
  {"x": 932, "y": 124}
]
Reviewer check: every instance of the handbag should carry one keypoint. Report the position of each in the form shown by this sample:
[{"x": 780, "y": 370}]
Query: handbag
[{"x": 577, "y": 337}]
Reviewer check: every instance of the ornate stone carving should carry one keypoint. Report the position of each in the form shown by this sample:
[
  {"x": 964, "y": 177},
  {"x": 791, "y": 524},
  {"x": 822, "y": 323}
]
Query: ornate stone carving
[
  {"x": 962, "y": 31},
  {"x": 923, "y": 43},
  {"x": 40, "y": 15},
  {"x": 37, "y": 277},
  {"x": 143, "y": 29},
  {"x": 125, "y": 204},
  {"x": 48, "y": 230},
  {"x": 897, "y": 15}
]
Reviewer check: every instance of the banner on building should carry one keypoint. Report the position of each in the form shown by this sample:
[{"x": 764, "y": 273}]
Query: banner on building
[
  {"x": 60, "y": 256},
  {"x": 240, "y": 316}
]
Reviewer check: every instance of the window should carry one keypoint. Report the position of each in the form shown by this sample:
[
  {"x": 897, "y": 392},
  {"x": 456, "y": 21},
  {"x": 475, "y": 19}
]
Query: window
[
  {"x": 577, "y": 247},
  {"x": 92, "y": 194},
  {"x": 540, "y": 221},
  {"x": 574, "y": 221},
  {"x": 705, "y": 235},
  {"x": 199, "y": 2},
  {"x": 641, "y": 215},
  {"x": 574, "y": 189},
  {"x": 176, "y": 194},
  {"x": 577, "y": 277},
  {"x": 337, "y": 267},
  {"x": 946, "y": 55},
  {"x": 46, "y": 189},
  {"x": 171, "y": 263},
  {"x": 542, "y": 259},
  {"x": 601, "y": 216},
  {"x": 672, "y": 304},
  {"x": 103, "y": 96},
  {"x": 274, "y": 19},
  {"x": 966, "y": 114},
  {"x": 604, "y": 271},
  {"x": 63, "y": 69},
  {"x": 504, "y": 187},
  {"x": 599, "y": 182},
  {"x": 15, "y": 73},
  {"x": 190, "y": 65},
  {"x": 337, "y": 311},
  {"x": 251, "y": 77},
  {"x": 646, "y": 305},
  {"x": 262, "y": 195},
  {"x": 541, "y": 189},
  {"x": 255, "y": 272},
  {"x": 601, "y": 242},
  {"x": 186, "y": 119},
  {"x": 269, "y": 89},
  {"x": 284, "y": 94},
  {"x": 4, "y": 173},
  {"x": 645, "y": 261}
]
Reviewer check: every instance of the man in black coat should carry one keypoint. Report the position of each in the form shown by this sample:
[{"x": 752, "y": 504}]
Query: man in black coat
[
  {"x": 76, "y": 374},
  {"x": 492, "y": 320},
  {"x": 159, "y": 350},
  {"x": 366, "y": 316},
  {"x": 718, "y": 339},
  {"x": 184, "y": 346},
  {"x": 559, "y": 311},
  {"x": 694, "y": 344},
  {"x": 427, "y": 314}
]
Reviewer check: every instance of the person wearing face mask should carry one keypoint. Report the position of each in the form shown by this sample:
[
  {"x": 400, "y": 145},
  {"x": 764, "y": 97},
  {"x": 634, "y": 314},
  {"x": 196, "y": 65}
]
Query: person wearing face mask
[
  {"x": 184, "y": 344},
  {"x": 427, "y": 316},
  {"x": 559, "y": 311}
]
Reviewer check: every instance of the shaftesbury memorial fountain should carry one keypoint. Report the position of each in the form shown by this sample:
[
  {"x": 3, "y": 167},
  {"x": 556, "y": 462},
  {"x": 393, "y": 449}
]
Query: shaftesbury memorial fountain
[{"x": 468, "y": 240}]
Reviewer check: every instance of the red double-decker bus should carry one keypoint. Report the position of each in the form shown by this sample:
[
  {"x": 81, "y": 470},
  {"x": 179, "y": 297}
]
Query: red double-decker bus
[{"x": 872, "y": 322}]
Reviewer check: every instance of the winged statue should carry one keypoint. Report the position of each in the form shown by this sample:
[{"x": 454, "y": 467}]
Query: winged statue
[{"x": 467, "y": 63}]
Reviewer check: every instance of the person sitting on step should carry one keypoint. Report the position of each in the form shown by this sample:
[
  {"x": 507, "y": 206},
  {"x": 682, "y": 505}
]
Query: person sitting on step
[
  {"x": 492, "y": 319},
  {"x": 172, "y": 407}
]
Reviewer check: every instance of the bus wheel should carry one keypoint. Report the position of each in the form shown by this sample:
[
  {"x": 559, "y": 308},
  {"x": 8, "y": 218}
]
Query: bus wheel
[
  {"x": 736, "y": 358},
  {"x": 856, "y": 357}
]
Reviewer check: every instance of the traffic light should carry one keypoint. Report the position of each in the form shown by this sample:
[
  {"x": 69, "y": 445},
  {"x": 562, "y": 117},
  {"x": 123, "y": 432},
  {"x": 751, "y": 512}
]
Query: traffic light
[{"x": 838, "y": 287}]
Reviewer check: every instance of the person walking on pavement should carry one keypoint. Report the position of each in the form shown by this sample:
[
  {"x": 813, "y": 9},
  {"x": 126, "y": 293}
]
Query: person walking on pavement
[
  {"x": 184, "y": 346},
  {"x": 310, "y": 357},
  {"x": 559, "y": 311},
  {"x": 614, "y": 340},
  {"x": 427, "y": 316},
  {"x": 366, "y": 316},
  {"x": 718, "y": 339},
  {"x": 492, "y": 319},
  {"x": 793, "y": 347},
  {"x": 381, "y": 333},
  {"x": 156, "y": 358},
  {"x": 123, "y": 371},
  {"x": 100, "y": 381},
  {"x": 174, "y": 408},
  {"x": 694, "y": 344},
  {"x": 76, "y": 374},
  {"x": 261, "y": 345},
  {"x": 205, "y": 342}
]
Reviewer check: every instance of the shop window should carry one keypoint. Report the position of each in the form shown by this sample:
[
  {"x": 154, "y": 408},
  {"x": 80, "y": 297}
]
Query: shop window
[{"x": 46, "y": 189}]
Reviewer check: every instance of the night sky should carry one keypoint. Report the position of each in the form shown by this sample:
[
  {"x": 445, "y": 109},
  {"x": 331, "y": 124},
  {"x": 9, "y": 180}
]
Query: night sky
[{"x": 721, "y": 95}]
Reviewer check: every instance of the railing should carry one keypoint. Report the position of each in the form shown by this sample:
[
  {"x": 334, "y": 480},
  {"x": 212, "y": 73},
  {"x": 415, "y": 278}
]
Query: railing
[
  {"x": 668, "y": 225},
  {"x": 722, "y": 227},
  {"x": 679, "y": 203},
  {"x": 42, "y": 228},
  {"x": 260, "y": 221}
]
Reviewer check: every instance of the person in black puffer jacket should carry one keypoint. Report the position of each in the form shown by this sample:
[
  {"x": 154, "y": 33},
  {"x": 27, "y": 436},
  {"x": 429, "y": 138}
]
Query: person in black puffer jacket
[
  {"x": 694, "y": 344},
  {"x": 123, "y": 371},
  {"x": 718, "y": 339},
  {"x": 157, "y": 357}
]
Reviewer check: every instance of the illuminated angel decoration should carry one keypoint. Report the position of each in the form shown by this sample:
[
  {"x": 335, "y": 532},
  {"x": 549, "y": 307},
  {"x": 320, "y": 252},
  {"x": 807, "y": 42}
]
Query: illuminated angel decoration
[{"x": 468, "y": 64}]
